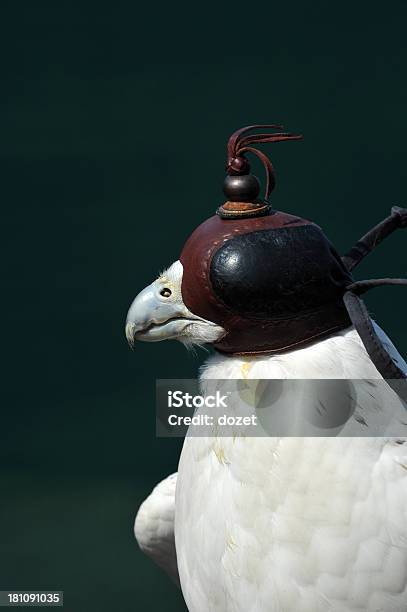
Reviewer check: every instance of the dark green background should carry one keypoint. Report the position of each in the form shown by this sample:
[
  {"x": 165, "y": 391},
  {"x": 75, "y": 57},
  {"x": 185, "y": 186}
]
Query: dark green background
[{"x": 114, "y": 119}]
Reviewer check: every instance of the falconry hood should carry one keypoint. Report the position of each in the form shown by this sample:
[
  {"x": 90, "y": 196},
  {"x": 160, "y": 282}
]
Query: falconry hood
[{"x": 273, "y": 280}]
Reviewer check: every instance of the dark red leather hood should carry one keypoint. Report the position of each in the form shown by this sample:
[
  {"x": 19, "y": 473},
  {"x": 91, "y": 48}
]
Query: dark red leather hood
[{"x": 272, "y": 282}]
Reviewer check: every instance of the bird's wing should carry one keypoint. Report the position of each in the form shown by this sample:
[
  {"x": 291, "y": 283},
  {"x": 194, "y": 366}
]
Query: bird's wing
[{"x": 154, "y": 526}]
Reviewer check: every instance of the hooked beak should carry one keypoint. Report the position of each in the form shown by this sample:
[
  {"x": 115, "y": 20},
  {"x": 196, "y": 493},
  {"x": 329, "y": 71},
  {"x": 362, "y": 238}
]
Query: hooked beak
[{"x": 152, "y": 317}]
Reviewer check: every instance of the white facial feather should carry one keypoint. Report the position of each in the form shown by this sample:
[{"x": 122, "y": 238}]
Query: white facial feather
[{"x": 199, "y": 331}]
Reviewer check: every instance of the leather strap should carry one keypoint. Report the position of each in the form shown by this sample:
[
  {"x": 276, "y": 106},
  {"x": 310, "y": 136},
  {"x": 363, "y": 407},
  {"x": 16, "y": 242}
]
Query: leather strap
[
  {"x": 356, "y": 308},
  {"x": 385, "y": 365},
  {"x": 360, "y": 287},
  {"x": 368, "y": 242}
]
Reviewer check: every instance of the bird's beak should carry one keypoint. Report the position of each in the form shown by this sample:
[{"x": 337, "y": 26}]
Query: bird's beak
[{"x": 152, "y": 317}]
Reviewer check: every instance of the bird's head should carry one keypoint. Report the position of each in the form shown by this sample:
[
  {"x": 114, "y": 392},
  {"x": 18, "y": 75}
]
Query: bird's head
[
  {"x": 159, "y": 313},
  {"x": 246, "y": 288},
  {"x": 249, "y": 280}
]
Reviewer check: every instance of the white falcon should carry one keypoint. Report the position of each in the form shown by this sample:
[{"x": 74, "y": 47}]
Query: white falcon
[
  {"x": 292, "y": 521},
  {"x": 276, "y": 524}
]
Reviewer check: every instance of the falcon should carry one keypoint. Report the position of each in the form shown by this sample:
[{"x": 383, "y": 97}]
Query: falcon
[{"x": 287, "y": 521}]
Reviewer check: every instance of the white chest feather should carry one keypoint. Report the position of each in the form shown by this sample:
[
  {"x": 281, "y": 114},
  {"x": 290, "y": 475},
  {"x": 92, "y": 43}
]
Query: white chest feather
[{"x": 293, "y": 524}]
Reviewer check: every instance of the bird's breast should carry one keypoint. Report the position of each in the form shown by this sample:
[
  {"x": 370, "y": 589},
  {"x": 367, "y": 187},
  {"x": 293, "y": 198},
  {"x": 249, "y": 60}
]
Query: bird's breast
[{"x": 284, "y": 524}]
